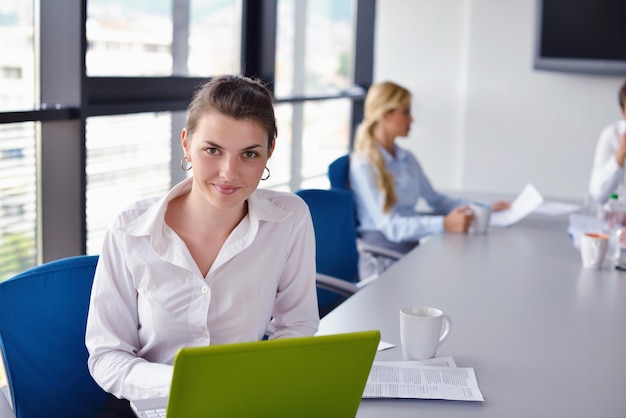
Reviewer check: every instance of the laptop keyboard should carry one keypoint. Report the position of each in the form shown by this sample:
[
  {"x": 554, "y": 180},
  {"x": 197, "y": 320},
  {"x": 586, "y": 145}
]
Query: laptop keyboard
[{"x": 153, "y": 413}]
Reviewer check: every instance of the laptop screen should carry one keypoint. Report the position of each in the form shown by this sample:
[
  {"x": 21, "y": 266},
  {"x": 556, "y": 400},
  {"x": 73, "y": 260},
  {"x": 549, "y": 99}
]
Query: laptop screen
[{"x": 319, "y": 376}]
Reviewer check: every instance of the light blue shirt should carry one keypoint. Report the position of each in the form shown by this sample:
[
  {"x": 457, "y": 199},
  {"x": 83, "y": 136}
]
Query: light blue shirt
[{"x": 402, "y": 223}]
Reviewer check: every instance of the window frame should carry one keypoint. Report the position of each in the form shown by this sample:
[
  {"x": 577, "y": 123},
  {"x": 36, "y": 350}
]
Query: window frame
[{"x": 67, "y": 97}]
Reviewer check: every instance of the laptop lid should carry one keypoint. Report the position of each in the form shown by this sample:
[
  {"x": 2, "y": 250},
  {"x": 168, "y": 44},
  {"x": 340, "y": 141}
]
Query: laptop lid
[{"x": 319, "y": 376}]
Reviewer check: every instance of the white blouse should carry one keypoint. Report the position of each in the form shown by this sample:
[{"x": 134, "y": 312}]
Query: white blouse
[
  {"x": 606, "y": 175},
  {"x": 149, "y": 298}
]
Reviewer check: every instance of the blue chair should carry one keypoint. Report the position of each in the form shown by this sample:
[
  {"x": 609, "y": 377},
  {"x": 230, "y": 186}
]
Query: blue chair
[
  {"x": 338, "y": 173},
  {"x": 339, "y": 177},
  {"x": 43, "y": 314},
  {"x": 332, "y": 212}
]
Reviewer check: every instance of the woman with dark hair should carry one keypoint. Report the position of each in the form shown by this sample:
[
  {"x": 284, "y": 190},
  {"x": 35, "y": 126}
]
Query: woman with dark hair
[
  {"x": 607, "y": 174},
  {"x": 214, "y": 261}
]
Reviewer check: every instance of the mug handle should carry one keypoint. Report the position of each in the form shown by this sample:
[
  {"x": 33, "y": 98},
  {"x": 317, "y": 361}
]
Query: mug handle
[{"x": 446, "y": 328}]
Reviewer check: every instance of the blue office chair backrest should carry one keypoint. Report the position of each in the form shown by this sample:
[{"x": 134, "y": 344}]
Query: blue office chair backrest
[
  {"x": 339, "y": 173},
  {"x": 43, "y": 313},
  {"x": 332, "y": 212}
]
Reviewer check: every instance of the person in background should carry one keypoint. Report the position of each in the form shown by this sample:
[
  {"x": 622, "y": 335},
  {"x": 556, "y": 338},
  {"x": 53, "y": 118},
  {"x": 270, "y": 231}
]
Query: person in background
[
  {"x": 607, "y": 174},
  {"x": 214, "y": 261},
  {"x": 388, "y": 182}
]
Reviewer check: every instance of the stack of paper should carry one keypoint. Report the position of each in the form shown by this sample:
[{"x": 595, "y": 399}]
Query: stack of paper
[{"x": 437, "y": 378}]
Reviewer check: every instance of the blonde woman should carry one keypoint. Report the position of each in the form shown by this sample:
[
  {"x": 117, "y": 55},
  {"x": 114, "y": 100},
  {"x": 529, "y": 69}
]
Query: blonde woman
[{"x": 388, "y": 181}]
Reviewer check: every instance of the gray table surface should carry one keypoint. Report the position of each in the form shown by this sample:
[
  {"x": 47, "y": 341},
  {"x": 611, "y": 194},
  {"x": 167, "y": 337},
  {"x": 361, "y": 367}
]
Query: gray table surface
[{"x": 546, "y": 337}]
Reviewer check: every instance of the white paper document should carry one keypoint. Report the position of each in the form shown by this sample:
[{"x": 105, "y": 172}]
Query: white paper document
[
  {"x": 382, "y": 345},
  {"x": 438, "y": 379},
  {"x": 556, "y": 209},
  {"x": 525, "y": 203}
]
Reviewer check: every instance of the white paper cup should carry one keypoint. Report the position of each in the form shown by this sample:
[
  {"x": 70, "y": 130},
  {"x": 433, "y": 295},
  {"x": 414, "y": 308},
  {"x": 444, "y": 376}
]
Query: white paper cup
[{"x": 593, "y": 246}]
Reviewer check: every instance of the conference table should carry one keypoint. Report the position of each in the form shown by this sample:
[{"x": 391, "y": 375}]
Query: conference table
[{"x": 545, "y": 336}]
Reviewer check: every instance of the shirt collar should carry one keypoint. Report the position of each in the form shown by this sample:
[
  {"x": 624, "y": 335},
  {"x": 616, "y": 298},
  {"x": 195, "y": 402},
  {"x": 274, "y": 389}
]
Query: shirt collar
[
  {"x": 152, "y": 221},
  {"x": 262, "y": 208},
  {"x": 400, "y": 153}
]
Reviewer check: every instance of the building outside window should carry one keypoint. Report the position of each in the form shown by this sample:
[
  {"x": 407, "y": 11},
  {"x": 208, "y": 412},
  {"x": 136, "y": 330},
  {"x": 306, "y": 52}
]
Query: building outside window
[
  {"x": 18, "y": 176},
  {"x": 314, "y": 51},
  {"x": 315, "y": 44},
  {"x": 119, "y": 127},
  {"x": 138, "y": 152}
]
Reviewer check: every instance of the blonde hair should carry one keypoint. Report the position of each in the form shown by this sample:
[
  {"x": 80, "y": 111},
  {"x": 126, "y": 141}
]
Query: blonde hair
[{"x": 381, "y": 99}]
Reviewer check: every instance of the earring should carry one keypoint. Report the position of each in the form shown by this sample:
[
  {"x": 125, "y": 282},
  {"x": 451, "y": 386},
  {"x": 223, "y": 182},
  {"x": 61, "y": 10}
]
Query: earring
[
  {"x": 268, "y": 174},
  {"x": 185, "y": 164}
]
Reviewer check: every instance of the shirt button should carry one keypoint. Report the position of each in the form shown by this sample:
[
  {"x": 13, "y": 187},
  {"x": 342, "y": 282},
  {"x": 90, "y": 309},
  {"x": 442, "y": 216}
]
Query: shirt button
[{"x": 205, "y": 289}]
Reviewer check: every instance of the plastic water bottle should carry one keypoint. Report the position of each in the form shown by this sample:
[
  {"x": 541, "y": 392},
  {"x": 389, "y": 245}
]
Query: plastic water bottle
[{"x": 612, "y": 213}]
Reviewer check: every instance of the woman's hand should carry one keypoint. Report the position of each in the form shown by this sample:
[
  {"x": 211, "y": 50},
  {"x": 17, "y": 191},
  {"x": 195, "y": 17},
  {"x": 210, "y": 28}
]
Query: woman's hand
[
  {"x": 500, "y": 205},
  {"x": 458, "y": 220},
  {"x": 620, "y": 152}
]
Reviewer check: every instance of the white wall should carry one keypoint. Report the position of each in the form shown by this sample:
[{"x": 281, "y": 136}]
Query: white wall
[{"x": 485, "y": 121}]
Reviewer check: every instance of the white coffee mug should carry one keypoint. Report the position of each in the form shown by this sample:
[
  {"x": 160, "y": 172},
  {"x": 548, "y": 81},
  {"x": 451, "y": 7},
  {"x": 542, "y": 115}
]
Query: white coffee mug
[
  {"x": 482, "y": 215},
  {"x": 422, "y": 330},
  {"x": 593, "y": 246}
]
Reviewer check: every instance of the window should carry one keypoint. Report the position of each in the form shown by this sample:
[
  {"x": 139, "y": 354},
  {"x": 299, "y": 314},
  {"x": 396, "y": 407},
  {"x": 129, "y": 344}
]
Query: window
[
  {"x": 18, "y": 191},
  {"x": 18, "y": 175},
  {"x": 11, "y": 73},
  {"x": 116, "y": 113},
  {"x": 84, "y": 132},
  {"x": 119, "y": 116},
  {"x": 325, "y": 136},
  {"x": 310, "y": 136},
  {"x": 17, "y": 56},
  {"x": 163, "y": 37},
  {"x": 128, "y": 158},
  {"x": 129, "y": 38},
  {"x": 314, "y": 46},
  {"x": 315, "y": 49},
  {"x": 214, "y": 37}
]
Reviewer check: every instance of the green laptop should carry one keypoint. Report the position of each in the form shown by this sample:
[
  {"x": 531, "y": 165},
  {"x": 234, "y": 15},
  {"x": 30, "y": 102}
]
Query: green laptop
[{"x": 316, "y": 377}]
